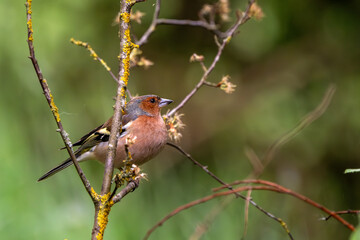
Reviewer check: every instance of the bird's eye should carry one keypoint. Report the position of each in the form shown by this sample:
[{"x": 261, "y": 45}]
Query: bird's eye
[{"x": 152, "y": 100}]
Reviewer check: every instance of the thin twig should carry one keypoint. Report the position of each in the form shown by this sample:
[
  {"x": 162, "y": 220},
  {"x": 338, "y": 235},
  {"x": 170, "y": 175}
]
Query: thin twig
[
  {"x": 193, "y": 23},
  {"x": 94, "y": 55},
  {"x": 202, "y": 23},
  {"x": 294, "y": 194},
  {"x": 152, "y": 26},
  {"x": 210, "y": 84},
  {"x": 225, "y": 185},
  {"x": 255, "y": 161},
  {"x": 258, "y": 165},
  {"x": 129, "y": 188},
  {"x": 269, "y": 186},
  {"x": 225, "y": 36},
  {"x": 50, "y": 100},
  {"x": 204, "y": 226},
  {"x": 204, "y": 168},
  {"x": 127, "y": 173},
  {"x": 229, "y": 34},
  {"x": 342, "y": 213},
  {"x": 306, "y": 121},
  {"x": 246, "y": 214},
  {"x": 200, "y": 83},
  {"x": 203, "y": 200}
]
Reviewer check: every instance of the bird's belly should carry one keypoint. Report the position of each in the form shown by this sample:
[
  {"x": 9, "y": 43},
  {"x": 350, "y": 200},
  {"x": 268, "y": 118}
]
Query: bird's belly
[{"x": 142, "y": 150}]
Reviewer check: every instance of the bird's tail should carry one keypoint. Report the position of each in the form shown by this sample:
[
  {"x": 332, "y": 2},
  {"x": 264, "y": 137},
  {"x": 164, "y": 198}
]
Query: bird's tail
[{"x": 56, "y": 169}]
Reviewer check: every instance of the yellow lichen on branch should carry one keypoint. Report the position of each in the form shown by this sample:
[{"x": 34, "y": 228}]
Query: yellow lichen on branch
[
  {"x": 125, "y": 17},
  {"x": 103, "y": 214},
  {"x": 91, "y": 50},
  {"x": 29, "y": 22},
  {"x": 127, "y": 51},
  {"x": 95, "y": 195},
  {"x": 126, "y": 61},
  {"x": 53, "y": 107}
]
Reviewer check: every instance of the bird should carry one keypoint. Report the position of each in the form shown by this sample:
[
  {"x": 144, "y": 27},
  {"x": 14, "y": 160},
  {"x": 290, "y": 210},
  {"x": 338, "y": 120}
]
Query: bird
[{"x": 141, "y": 123}]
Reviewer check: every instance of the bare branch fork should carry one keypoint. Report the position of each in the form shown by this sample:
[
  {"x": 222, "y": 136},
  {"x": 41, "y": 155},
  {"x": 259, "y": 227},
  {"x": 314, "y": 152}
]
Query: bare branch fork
[{"x": 224, "y": 36}]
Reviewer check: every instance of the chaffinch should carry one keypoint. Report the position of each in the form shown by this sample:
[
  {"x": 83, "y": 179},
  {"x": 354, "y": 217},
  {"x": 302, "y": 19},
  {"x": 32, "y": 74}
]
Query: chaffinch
[{"x": 141, "y": 122}]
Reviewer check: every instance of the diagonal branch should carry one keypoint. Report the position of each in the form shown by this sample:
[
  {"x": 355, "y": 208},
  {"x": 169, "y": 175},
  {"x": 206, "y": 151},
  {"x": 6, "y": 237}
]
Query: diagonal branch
[
  {"x": 206, "y": 199},
  {"x": 228, "y": 186},
  {"x": 152, "y": 26},
  {"x": 50, "y": 100},
  {"x": 229, "y": 34},
  {"x": 126, "y": 190},
  {"x": 267, "y": 186},
  {"x": 306, "y": 121},
  {"x": 282, "y": 189},
  {"x": 94, "y": 55}
]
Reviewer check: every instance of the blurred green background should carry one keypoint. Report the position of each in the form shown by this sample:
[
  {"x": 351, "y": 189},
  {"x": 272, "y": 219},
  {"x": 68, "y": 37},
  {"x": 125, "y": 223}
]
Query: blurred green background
[{"x": 281, "y": 65}]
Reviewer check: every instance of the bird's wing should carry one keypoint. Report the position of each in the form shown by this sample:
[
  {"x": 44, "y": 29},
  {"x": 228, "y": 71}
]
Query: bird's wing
[
  {"x": 100, "y": 134},
  {"x": 88, "y": 136}
]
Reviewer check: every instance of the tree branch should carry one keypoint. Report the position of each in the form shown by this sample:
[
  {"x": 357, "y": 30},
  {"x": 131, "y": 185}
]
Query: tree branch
[
  {"x": 306, "y": 121},
  {"x": 206, "y": 199},
  {"x": 227, "y": 37},
  {"x": 282, "y": 189},
  {"x": 193, "y": 23},
  {"x": 228, "y": 186},
  {"x": 152, "y": 26},
  {"x": 357, "y": 212},
  {"x": 128, "y": 189},
  {"x": 268, "y": 186},
  {"x": 95, "y": 56},
  {"x": 51, "y": 103},
  {"x": 102, "y": 208}
]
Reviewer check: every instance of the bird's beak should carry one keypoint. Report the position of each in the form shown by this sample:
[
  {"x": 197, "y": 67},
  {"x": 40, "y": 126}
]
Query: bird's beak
[{"x": 164, "y": 102}]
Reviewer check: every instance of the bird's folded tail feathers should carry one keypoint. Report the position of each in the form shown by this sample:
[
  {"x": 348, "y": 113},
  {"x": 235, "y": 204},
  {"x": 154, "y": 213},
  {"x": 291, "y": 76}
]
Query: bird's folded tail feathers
[{"x": 68, "y": 162}]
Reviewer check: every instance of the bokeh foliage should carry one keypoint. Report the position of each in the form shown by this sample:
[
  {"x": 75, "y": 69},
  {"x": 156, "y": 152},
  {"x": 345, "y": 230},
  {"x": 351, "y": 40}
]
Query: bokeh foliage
[{"x": 282, "y": 66}]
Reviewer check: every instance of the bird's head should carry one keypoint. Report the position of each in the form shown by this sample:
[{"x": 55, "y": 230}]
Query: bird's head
[{"x": 147, "y": 104}]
